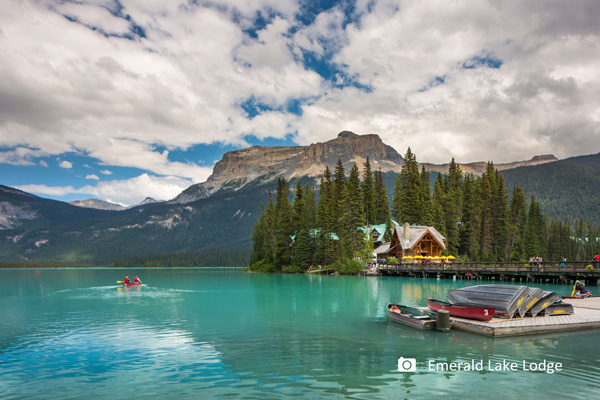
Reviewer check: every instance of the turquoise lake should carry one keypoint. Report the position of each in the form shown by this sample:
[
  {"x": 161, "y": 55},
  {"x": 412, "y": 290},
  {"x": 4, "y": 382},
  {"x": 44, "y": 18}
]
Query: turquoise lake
[{"x": 214, "y": 333}]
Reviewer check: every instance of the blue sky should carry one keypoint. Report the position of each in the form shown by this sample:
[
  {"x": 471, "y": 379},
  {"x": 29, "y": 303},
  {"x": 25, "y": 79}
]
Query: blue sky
[{"x": 124, "y": 99}]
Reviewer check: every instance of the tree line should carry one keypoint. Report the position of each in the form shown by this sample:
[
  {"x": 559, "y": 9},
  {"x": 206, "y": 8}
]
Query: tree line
[
  {"x": 213, "y": 258},
  {"x": 476, "y": 214}
]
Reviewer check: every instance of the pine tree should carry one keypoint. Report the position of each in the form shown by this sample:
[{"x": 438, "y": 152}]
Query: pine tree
[
  {"x": 487, "y": 188},
  {"x": 453, "y": 205},
  {"x": 353, "y": 216},
  {"x": 389, "y": 231},
  {"x": 408, "y": 192},
  {"x": 339, "y": 183},
  {"x": 455, "y": 176},
  {"x": 535, "y": 239},
  {"x": 471, "y": 219},
  {"x": 326, "y": 222},
  {"x": 428, "y": 211},
  {"x": 397, "y": 210},
  {"x": 304, "y": 248},
  {"x": 517, "y": 226},
  {"x": 439, "y": 202},
  {"x": 283, "y": 226},
  {"x": 500, "y": 220},
  {"x": 382, "y": 206},
  {"x": 259, "y": 237},
  {"x": 263, "y": 236},
  {"x": 558, "y": 240},
  {"x": 368, "y": 194},
  {"x": 297, "y": 205}
]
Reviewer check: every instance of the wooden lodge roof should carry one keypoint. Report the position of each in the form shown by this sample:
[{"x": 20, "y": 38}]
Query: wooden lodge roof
[{"x": 416, "y": 233}]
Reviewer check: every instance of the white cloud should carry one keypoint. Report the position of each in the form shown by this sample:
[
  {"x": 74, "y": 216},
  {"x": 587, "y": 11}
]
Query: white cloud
[
  {"x": 92, "y": 176},
  {"x": 21, "y": 156},
  {"x": 43, "y": 163},
  {"x": 125, "y": 192},
  {"x": 65, "y": 164},
  {"x": 106, "y": 172}
]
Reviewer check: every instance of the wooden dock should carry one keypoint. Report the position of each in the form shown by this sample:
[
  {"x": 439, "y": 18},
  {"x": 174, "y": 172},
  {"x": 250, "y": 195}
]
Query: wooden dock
[
  {"x": 328, "y": 271},
  {"x": 548, "y": 272},
  {"x": 586, "y": 316}
]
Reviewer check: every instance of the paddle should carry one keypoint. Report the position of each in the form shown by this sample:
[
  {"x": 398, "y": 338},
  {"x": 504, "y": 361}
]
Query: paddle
[
  {"x": 575, "y": 285},
  {"x": 119, "y": 281}
]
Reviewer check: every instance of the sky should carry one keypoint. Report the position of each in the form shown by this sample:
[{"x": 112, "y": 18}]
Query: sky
[{"x": 126, "y": 99}]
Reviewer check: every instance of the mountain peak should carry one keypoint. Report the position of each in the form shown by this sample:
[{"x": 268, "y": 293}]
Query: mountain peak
[
  {"x": 346, "y": 134},
  {"x": 97, "y": 204},
  {"x": 239, "y": 167}
]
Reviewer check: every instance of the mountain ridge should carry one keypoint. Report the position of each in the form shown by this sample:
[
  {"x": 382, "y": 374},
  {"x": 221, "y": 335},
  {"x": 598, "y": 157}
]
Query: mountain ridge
[
  {"x": 239, "y": 167},
  {"x": 478, "y": 167}
]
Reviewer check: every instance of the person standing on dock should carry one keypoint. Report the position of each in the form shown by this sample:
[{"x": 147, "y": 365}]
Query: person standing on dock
[{"x": 596, "y": 259}]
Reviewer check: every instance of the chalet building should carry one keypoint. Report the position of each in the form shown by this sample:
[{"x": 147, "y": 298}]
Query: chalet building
[
  {"x": 377, "y": 232},
  {"x": 413, "y": 241}
]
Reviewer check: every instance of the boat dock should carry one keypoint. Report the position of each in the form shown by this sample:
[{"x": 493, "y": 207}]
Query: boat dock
[
  {"x": 548, "y": 272},
  {"x": 586, "y": 316},
  {"x": 328, "y": 271}
]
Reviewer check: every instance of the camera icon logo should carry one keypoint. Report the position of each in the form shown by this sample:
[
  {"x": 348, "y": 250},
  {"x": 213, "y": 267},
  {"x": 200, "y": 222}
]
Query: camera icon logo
[{"x": 407, "y": 364}]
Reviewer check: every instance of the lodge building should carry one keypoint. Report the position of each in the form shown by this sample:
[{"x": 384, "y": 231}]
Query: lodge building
[{"x": 413, "y": 241}]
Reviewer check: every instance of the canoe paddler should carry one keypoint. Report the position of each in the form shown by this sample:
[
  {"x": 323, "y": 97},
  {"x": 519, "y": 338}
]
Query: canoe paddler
[
  {"x": 126, "y": 280},
  {"x": 136, "y": 280}
]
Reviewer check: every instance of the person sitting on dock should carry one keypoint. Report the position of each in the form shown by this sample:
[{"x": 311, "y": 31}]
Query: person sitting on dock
[{"x": 581, "y": 290}]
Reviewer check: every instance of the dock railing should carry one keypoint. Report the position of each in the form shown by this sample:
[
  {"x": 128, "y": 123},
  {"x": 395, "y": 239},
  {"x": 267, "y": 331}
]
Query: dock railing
[{"x": 581, "y": 267}]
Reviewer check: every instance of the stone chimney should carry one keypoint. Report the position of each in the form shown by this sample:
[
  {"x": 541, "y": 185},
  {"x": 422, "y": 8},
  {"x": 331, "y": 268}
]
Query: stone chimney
[{"x": 407, "y": 233}]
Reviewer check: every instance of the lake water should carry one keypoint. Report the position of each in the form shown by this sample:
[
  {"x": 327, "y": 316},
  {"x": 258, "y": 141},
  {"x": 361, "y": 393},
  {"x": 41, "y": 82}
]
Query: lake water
[{"x": 73, "y": 334}]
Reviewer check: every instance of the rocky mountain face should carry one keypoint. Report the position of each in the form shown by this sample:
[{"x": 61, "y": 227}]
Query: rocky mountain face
[
  {"x": 11, "y": 215},
  {"x": 240, "y": 167},
  {"x": 478, "y": 168}
]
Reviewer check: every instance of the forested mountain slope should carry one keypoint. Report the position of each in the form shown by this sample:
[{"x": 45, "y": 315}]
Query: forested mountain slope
[{"x": 568, "y": 188}]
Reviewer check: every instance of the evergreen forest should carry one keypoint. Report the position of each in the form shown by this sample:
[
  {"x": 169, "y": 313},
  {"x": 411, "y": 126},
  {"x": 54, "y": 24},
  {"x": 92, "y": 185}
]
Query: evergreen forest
[{"x": 305, "y": 225}]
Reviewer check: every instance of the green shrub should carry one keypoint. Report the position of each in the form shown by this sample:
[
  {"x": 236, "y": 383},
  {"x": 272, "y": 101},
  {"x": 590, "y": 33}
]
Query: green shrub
[
  {"x": 590, "y": 267},
  {"x": 263, "y": 266},
  {"x": 348, "y": 267},
  {"x": 392, "y": 260},
  {"x": 292, "y": 269}
]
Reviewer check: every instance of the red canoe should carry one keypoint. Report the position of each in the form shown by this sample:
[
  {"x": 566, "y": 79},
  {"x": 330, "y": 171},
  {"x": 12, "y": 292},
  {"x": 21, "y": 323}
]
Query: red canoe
[
  {"x": 131, "y": 283},
  {"x": 470, "y": 312}
]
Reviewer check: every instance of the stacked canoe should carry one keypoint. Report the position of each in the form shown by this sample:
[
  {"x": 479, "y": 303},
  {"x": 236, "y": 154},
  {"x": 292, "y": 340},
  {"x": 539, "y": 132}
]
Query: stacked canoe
[{"x": 510, "y": 300}]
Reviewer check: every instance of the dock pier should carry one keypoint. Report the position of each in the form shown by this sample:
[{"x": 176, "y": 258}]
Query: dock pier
[
  {"x": 328, "y": 271},
  {"x": 548, "y": 272},
  {"x": 586, "y": 316}
]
